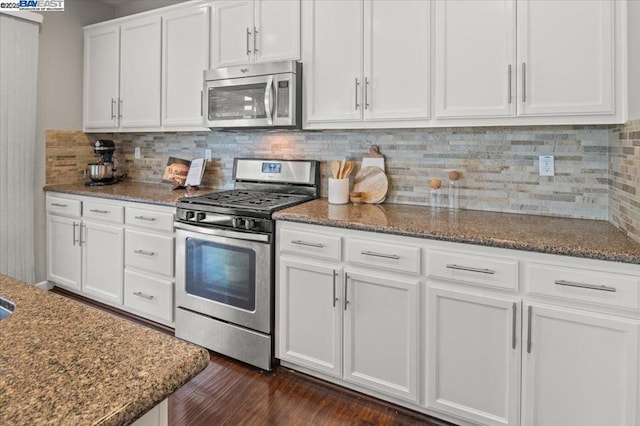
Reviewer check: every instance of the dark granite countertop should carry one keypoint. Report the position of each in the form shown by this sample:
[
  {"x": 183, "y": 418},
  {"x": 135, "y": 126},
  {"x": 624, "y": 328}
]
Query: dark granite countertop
[
  {"x": 62, "y": 362},
  {"x": 586, "y": 238},
  {"x": 152, "y": 193}
]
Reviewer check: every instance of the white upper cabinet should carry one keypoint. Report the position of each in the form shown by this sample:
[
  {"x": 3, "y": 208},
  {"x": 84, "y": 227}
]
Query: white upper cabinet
[
  {"x": 357, "y": 65},
  {"x": 566, "y": 57},
  {"x": 101, "y": 77},
  {"x": 185, "y": 55},
  {"x": 248, "y": 31},
  {"x": 475, "y": 58},
  {"x": 140, "y": 73},
  {"x": 333, "y": 60}
]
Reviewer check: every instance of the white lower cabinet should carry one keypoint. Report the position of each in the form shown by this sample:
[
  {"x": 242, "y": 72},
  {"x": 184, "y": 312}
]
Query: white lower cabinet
[
  {"x": 579, "y": 368},
  {"x": 473, "y": 354},
  {"x": 311, "y": 321},
  {"x": 88, "y": 241},
  {"x": 380, "y": 333},
  {"x": 472, "y": 334},
  {"x": 102, "y": 254}
]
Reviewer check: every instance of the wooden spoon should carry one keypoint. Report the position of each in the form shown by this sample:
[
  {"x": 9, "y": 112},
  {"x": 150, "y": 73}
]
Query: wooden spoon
[
  {"x": 348, "y": 168},
  {"x": 335, "y": 169},
  {"x": 341, "y": 172}
]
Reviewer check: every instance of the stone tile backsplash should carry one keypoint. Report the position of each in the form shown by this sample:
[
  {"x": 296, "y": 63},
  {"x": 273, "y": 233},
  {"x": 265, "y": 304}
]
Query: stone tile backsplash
[{"x": 499, "y": 165}]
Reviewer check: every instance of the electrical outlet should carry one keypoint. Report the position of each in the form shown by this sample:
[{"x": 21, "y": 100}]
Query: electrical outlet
[
  {"x": 136, "y": 152},
  {"x": 547, "y": 165},
  {"x": 207, "y": 154}
]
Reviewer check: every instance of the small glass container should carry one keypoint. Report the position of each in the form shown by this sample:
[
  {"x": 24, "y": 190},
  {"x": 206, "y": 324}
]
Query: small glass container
[
  {"x": 435, "y": 195},
  {"x": 454, "y": 190}
]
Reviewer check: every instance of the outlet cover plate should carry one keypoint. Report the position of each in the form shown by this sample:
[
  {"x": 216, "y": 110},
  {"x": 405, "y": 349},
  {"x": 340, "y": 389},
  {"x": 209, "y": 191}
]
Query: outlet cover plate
[
  {"x": 547, "y": 165},
  {"x": 136, "y": 152},
  {"x": 207, "y": 154}
]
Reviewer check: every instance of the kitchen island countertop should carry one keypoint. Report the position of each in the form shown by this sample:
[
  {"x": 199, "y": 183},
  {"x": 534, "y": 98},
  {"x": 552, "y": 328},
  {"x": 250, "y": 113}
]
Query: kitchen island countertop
[
  {"x": 593, "y": 239},
  {"x": 62, "y": 362},
  {"x": 152, "y": 193}
]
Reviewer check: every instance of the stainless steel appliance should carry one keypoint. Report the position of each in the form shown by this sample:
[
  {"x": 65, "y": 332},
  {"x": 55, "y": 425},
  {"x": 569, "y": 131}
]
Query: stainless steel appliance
[
  {"x": 225, "y": 257},
  {"x": 256, "y": 95},
  {"x": 103, "y": 172}
]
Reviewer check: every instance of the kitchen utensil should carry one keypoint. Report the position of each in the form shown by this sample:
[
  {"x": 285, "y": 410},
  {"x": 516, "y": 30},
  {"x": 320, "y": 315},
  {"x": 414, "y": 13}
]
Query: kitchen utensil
[
  {"x": 340, "y": 175},
  {"x": 373, "y": 158},
  {"x": 348, "y": 168},
  {"x": 335, "y": 169},
  {"x": 373, "y": 184}
]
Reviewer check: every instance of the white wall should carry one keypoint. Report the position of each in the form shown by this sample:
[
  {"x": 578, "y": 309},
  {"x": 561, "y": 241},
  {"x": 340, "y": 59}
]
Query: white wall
[
  {"x": 59, "y": 91},
  {"x": 137, "y": 6},
  {"x": 633, "y": 30}
]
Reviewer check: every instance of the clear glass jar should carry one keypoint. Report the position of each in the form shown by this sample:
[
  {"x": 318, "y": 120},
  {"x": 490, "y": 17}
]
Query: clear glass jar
[{"x": 454, "y": 195}]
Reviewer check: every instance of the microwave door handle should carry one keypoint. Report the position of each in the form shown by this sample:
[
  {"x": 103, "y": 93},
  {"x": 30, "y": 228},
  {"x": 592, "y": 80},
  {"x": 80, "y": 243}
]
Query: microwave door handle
[{"x": 268, "y": 100}]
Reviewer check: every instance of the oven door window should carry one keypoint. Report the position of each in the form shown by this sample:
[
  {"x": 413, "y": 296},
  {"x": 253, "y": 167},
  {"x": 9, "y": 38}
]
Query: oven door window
[
  {"x": 222, "y": 273},
  {"x": 239, "y": 102}
]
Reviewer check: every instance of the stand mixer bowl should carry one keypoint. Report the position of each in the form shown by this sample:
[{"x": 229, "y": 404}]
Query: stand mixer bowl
[{"x": 101, "y": 172}]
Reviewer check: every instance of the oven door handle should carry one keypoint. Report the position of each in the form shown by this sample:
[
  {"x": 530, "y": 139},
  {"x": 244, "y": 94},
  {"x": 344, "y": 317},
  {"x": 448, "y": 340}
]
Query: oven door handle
[{"x": 223, "y": 233}]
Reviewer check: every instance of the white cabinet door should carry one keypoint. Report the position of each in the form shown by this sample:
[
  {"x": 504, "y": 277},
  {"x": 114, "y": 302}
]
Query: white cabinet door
[
  {"x": 101, "y": 67},
  {"x": 311, "y": 316},
  {"x": 579, "y": 368},
  {"x": 102, "y": 261},
  {"x": 380, "y": 334},
  {"x": 333, "y": 60},
  {"x": 566, "y": 57},
  {"x": 140, "y": 73},
  {"x": 277, "y": 27},
  {"x": 63, "y": 251},
  {"x": 185, "y": 55},
  {"x": 474, "y": 59},
  {"x": 232, "y": 35},
  {"x": 397, "y": 68},
  {"x": 473, "y": 355}
]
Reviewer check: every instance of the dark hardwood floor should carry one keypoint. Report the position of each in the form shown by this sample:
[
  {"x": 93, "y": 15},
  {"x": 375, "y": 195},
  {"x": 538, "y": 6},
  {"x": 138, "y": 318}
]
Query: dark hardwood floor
[{"x": 229, "y": 392}]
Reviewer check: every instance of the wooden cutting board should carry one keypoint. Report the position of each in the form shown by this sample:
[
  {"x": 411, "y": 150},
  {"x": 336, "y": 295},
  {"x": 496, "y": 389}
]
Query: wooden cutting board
[{"x": 373, "y": 183}]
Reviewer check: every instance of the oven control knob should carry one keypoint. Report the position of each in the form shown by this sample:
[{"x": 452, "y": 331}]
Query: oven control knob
[
  {"x": 236, "y": 222},
  {"x": 249, "y": 224},
  {"x": 200, "y": 217},
  {"x": 189, "y": 215}
]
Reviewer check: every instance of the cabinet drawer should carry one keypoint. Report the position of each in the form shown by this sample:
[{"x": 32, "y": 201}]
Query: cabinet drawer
[
  {"x": 101, "y": 211},
  {"x": 482, "y": 270},
  {"x": 159, "y": 221},
  {"x": 64, "y": 206},
  {"x": 149, "y": 295},
  {"x": 385, "y": 256},
  {"x": 583, "y": 285},
  {"x": 151, "y": 252},
  {"x": 323, "y": 246}
]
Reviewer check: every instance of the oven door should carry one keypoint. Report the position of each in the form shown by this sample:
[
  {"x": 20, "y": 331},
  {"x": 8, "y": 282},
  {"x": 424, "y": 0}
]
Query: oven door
[
  {"x": 262, "y": 101},
  {"x": 225, "y": 275}
]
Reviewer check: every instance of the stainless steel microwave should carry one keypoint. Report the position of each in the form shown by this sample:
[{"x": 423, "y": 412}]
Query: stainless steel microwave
[{"x": 267, "y": 95}]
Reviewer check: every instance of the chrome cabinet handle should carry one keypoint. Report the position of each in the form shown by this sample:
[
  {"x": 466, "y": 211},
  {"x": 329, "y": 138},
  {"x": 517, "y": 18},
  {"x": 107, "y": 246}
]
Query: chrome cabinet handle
[
  {"x": 335, "y": 299},
  {"x": 529, "y": 317},
  {"x": 120, "y": 108},
  {"x": 144, "y": 252},
  {"x": 74, "y": 234},
  {"x": 386, "y": 256},
  {"x": 113, "y": 106},
  {"x": 470, "y": 269},
  {"x": 509, "y": 83},
  {"x": 58, "y": 205},
  {"x": 144, "y": 296},
  {"x": 255, "y": 43},
  {"x": 304, "y": 243},
  {"x": 148, "y": 219},
  {"x": 248, "y": 49},
  {"x": 514, "y": 323},
  {"x": 587, "y": 286},
  {"x": 99, "y": 211},
  {"x": 346, "y": 284},
  {"x": 524, "y": 82},
  {"x": 356, "y": 85},
  {"x": 366, "y": 93}
]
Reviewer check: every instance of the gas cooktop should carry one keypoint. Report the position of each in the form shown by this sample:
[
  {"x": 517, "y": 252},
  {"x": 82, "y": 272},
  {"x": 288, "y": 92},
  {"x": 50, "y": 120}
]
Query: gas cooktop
[{"x": 247, "y": 199}]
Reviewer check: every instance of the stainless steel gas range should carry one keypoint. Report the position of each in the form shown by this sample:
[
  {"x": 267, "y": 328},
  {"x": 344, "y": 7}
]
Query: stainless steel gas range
[{"x": 225, "y": 257}]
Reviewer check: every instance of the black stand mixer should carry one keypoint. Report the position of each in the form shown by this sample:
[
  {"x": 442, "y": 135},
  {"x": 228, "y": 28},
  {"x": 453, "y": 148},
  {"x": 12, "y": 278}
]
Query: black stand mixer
[{"x": 103, "y": 172}]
